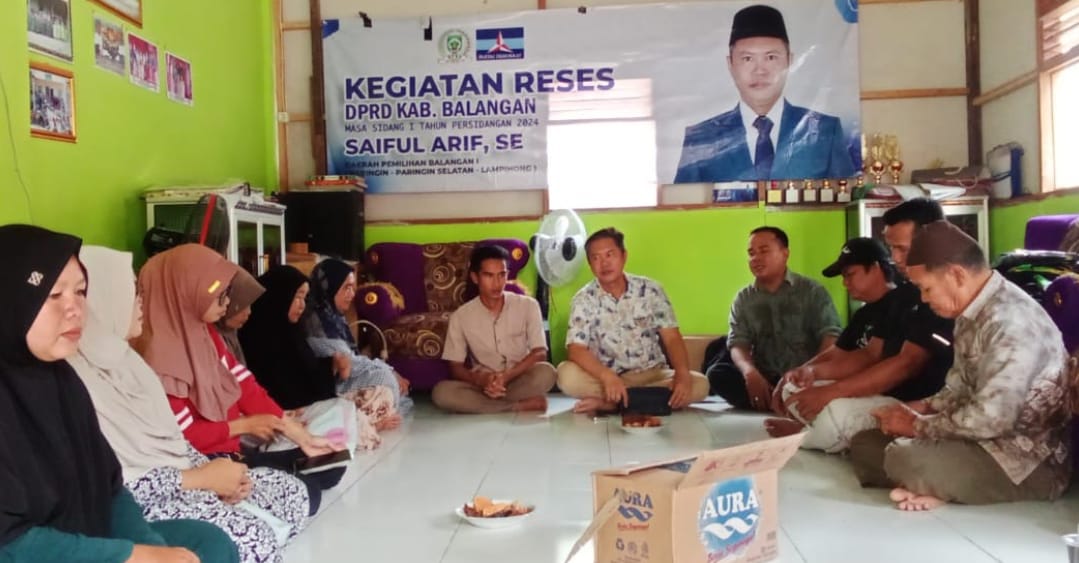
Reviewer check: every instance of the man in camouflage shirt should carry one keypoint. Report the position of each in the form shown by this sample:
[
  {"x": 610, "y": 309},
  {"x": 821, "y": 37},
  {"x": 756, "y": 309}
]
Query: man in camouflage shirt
[
  {"x": 777, "y": 323},
  {"x": 997, "y": 432}
]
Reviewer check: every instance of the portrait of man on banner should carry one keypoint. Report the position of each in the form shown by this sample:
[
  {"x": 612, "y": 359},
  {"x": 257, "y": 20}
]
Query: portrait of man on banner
[{"x": 765, "y": 136}]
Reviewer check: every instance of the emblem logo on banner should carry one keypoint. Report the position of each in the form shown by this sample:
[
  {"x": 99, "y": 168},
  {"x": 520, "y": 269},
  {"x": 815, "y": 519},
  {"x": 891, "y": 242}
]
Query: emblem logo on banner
[
  {"x": 454, "y": 46},
  {"x": 500, "y": 43},
  {"x": 728, "y": 518}
]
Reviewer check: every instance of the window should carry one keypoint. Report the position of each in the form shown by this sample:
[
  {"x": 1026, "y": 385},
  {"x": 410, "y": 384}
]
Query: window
[
  {"x": 601, "y": 148},
  {"x": 1059, "y": 88},
  {"x": 1065, "y": 88}
]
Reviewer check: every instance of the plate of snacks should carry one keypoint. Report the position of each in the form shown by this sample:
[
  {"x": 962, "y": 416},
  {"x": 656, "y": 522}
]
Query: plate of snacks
[
  {"x": 641, "y": 424},
  {"x": 483, "y": 512}
]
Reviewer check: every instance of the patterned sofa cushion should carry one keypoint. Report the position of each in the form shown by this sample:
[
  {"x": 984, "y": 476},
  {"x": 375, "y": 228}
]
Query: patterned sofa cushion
[
  {"x": 445, "y": 274},
  {"x": 418, "y": 336},
  {"x": 1061, "y": 300},
  {"x": 1071, "y": 238}
]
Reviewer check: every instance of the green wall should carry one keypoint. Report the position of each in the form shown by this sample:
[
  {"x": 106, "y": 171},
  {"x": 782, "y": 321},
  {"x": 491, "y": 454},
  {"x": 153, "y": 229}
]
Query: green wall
[
  {"x": 130, "y": 138},
  {"x": 1007, "y": 224},
  {"x": 698, "y": 255}
]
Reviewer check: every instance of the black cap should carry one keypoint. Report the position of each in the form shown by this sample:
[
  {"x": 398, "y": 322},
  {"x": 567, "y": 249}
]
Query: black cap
[
  {"x": 860, "y": 251},
  {"x": 758, "y": 21}
]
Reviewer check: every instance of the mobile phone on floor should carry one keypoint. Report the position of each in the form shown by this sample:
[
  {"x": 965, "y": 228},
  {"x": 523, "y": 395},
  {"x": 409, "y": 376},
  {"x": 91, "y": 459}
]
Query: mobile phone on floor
[{"x": 323, "y": 462}]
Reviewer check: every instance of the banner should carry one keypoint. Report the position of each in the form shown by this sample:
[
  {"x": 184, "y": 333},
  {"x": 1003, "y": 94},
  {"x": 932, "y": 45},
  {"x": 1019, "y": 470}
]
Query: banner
[{"x": 727, "y": 90}]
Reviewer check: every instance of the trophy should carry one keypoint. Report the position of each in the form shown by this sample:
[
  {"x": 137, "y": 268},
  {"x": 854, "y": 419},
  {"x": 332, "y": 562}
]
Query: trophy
[
  {"x": 881, "y": 154},
  {"x": 877, "y": 170},
  {"x": 792, "y": 192},
  {"x": 809, "y": 192},
  {"x": 827, "y": 194},
  {"x": 775, "y": 195},
  {"x": 843, "y": 196},
  {"x": 892, "y": 156},
  {"x": 871, "y": 155},
  {"x": 896, "y": 167}
]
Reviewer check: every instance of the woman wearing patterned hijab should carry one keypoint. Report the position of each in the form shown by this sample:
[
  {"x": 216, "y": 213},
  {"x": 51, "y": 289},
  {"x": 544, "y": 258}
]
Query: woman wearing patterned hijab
[
  {"x": 63, "y": 498},
  {"x": 168, "y": 478},
  {"x": 333, "y": 287}
]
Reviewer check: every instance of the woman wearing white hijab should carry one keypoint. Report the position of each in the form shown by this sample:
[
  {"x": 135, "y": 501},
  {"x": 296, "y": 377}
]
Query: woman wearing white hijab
[{"x": 259, "y": 508}]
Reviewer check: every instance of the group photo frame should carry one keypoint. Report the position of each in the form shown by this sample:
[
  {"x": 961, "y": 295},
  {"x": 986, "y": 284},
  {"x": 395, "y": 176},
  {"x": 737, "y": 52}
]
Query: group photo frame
[
  {"x": 178, "y": 79},
  {"x": 143, "y": 62},
  {"x": 52, "y": 102},
  {"x": 110, "y": 50},
  {"x": 48, "y": 27}
]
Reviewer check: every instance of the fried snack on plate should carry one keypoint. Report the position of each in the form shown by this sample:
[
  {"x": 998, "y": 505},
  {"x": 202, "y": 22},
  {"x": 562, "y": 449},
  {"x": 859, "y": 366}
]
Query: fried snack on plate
[
  {"x": 483, "y": 507},
  {"x": 641, "y": 421}
]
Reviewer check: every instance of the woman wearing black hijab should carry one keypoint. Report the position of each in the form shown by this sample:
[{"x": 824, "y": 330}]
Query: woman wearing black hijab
[
  {"x": 61, "y": 491},
  {"x": 277, "y": 350}
]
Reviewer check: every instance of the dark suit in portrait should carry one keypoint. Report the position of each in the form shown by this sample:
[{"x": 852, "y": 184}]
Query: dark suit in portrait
[{"x": 811, "y": 145}]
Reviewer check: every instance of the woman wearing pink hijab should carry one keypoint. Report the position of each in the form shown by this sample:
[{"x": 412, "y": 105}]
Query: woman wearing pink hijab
[{"x": 214, "y": 397}]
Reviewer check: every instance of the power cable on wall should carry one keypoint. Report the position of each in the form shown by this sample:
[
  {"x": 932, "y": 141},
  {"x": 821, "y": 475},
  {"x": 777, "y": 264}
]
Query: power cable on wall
[{"x": 14, "y": 150}]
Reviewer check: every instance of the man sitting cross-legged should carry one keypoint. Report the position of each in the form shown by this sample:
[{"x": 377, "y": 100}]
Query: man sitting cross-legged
[
  {"x": 617, "y": 324},
  {"x": 501, "y": 335},
  {"x": 872, "y": 363},
  {"x": 997, "y": 431},
  {"x": 777, "y": 323}
]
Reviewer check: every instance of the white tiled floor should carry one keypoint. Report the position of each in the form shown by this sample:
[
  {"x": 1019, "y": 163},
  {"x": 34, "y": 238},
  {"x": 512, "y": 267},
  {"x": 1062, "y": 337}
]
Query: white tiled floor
[{"x": 396, "y": 504}]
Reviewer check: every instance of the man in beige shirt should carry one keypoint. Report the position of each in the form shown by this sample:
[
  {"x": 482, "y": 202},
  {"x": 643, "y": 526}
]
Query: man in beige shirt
[{"x": 495, "y": 345}]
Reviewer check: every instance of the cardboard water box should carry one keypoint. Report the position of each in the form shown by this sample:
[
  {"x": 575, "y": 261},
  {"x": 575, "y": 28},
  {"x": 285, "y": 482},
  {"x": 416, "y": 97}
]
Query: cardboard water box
[{"x": 718, "y": 506}]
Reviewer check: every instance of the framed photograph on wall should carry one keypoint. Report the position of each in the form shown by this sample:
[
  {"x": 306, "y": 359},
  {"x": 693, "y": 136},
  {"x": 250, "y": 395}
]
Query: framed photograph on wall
[
  {"x": 142, "y": 58},
  {"x": 52, "y": 103},
  {"x": 130, "y": 10},
  {"x": 109, "y": 52},
  {"x": 178, "y": 79},
  {"x": 48, "y": 27}
]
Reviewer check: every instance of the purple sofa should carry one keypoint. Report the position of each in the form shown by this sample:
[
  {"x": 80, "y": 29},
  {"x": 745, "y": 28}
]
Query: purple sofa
[
  {"x": 1048, "y": 232},
  {"x": 413, "y": 290},
  {"x": 1061, "y": 299}
]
